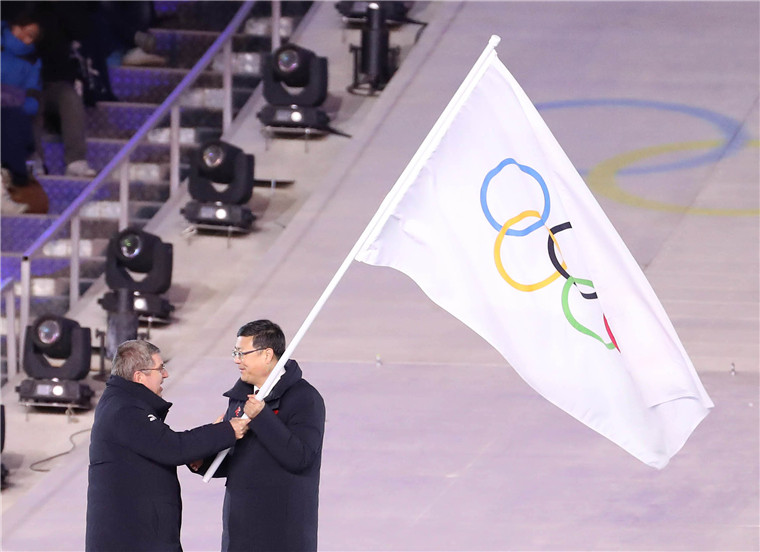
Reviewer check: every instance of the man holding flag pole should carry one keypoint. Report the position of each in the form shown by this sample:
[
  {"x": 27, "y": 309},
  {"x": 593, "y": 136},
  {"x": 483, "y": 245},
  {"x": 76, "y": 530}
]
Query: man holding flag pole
[{"x": 272, "y": 490}]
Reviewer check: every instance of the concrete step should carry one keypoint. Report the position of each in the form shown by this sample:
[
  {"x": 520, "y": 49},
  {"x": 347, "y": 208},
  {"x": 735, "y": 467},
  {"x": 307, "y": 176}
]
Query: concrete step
[
  {"x": 100, "y": 151},
  {"x": 215, "y": 15},
  {"x": 183, "y": 48},
  {"x": 51, "y": 275},
  {"x": 154, "y": 84},
  {"x": 202, "y": 15},
  {"x": 62, "y": 191},
  {"x": 123, "y": 119},
  {"x": 21, "y": 231}
]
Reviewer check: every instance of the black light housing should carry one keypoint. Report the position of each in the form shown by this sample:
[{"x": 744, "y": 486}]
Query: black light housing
[
  {"x": 375, "y": 61},
  {"x": 135, "y": 251},
  {"x": 356, "y": 12},
  {"x": 56, "y": 384},
  {"x": 298, "y": 68},
  {"x": 220, "y": 183},
  {"x": 295, "y": 85}
]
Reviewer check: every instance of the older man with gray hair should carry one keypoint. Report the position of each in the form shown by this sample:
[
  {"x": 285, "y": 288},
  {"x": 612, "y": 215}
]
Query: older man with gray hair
[{"x": 133, "y": 496}]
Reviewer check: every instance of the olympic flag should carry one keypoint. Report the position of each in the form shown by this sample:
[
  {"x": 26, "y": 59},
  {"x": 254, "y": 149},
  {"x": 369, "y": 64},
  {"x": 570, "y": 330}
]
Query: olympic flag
[{"x": 496, "y": 226}]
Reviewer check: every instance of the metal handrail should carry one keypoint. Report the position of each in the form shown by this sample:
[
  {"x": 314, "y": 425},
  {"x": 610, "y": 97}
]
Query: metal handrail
[
  {"x": 11, "y": 342},
  {"x": 121, "y": 159}
]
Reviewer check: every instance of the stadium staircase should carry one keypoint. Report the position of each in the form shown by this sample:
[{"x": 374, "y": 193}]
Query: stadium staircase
[{"x": 185, "y": 31}]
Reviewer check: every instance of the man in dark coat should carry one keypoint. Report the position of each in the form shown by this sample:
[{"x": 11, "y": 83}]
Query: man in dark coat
[
  {"x": 272, "y": 491},
  {"x": 133, "y": 496}
]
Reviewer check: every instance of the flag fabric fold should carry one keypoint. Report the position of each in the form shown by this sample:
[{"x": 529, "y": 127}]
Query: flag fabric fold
[{"x": 496, "y": 226}]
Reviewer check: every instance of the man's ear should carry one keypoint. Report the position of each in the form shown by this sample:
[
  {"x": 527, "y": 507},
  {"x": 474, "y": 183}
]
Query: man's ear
[{"x": 136, "y": 376}]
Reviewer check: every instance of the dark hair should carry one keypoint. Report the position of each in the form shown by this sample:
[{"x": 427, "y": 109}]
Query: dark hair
[
  {"x": 23, "y": 15},
  {"x": 266, "y": 334}
]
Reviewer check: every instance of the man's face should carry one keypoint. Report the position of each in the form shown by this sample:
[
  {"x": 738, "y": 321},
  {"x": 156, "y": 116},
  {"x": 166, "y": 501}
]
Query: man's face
[
  {"x": 153, "y": 378},
  {"x": 27, "y": 34},
  {"x": 254, "y": 366}
]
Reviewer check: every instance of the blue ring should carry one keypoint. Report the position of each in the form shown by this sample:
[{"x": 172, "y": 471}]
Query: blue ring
[
  {"x": 484, "y": 198},
  {"x": 733, "y": 132}
]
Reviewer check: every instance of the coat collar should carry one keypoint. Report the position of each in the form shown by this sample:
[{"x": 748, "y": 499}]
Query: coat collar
[
  {"x": 139, "y": 392},
  {"x": 241, "y": 389}
]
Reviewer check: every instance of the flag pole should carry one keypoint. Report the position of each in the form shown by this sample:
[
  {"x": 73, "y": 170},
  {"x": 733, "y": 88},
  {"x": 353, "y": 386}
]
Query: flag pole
[{"x": 381, "y": 215}]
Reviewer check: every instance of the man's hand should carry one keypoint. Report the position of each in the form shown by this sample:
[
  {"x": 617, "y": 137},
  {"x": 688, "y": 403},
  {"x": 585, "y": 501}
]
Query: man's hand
[
  {"x": 240, "y": 425},
  {"x": 253, "y": 406}
]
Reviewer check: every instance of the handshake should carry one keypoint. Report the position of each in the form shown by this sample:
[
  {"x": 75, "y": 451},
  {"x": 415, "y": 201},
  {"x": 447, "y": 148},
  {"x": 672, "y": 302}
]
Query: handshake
[{"x": 240, "y": 425}]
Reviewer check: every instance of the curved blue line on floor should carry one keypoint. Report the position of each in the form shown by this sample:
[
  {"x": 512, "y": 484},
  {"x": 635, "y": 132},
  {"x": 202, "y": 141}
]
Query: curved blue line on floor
[{"x": 733, "y": 132}]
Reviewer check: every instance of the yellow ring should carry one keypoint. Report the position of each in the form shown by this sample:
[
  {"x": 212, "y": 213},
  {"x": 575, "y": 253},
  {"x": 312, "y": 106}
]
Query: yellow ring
[
  {"x": 500, "y": 266},
  {"x": 602, "y": 180}
]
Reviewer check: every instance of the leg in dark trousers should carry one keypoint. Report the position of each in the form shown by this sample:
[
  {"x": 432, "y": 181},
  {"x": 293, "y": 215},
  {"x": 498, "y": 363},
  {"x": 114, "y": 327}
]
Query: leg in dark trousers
[{"x": 61, "y": 98}]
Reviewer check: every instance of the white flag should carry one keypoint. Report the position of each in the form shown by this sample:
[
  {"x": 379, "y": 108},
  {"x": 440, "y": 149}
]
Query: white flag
[{"x": 496, "y": 226}]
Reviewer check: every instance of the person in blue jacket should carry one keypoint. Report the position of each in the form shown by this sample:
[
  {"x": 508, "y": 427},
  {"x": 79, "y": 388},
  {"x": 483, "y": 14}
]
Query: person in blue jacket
[
  {"x": 20, "y": 68},
  {"x": 133, "y": 495},
  {"x": 272, "y": 491}
]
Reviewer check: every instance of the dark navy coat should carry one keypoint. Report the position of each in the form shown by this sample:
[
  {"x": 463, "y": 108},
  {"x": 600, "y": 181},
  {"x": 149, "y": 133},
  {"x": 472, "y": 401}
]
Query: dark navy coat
[
  {"x": 273, "y": 472},
  {"x": 133, "y": 496}
]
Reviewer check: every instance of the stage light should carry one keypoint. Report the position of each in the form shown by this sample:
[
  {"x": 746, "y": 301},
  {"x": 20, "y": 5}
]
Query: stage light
[
  {"x": 134, "y": 251},
  {"x": 56, "y": 384},
  {"x": 295, "y": 85},
  {"x": 301, "y": 70},
  {"x": 221, "y": 184},
  {"x": 374, "y": 62}
]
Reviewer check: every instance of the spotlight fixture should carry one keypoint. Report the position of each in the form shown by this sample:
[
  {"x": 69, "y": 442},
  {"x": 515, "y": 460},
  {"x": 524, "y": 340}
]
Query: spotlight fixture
[
  {"x": 221, "y": 184},
  {"x": 132, "y": 252},
  {"x": 295, "y": 85},
  {"x": 55, "y": 337},
  {"x": 374, "y": 61}
]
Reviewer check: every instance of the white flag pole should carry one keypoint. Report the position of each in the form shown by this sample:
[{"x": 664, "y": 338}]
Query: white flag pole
[{"x": 394, "y": 195}]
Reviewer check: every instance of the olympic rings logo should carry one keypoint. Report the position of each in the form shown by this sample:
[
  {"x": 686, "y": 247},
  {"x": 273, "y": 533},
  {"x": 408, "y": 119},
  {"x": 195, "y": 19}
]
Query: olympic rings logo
[{"x": 560, "y": 267}]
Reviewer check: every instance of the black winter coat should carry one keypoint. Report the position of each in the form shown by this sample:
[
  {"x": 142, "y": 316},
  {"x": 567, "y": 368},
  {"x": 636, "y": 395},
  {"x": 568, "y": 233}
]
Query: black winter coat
[
  {"x": 133, "y": 496},
  {"x": 273, "y": 471}
]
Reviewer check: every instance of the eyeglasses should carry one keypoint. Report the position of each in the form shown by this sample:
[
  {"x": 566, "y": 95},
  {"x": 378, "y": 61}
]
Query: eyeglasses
[
  {"x": 240, "y": 354},
  {"x": 161, "y": 368}
]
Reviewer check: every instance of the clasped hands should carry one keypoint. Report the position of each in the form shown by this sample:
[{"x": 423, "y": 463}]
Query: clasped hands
[{"x": 252, "y": 408}]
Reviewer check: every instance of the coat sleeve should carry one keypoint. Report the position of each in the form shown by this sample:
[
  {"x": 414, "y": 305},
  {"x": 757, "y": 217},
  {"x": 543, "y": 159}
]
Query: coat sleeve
[
  {"x": 296, "y": 441},
  {"x": 140, "y": 431}
]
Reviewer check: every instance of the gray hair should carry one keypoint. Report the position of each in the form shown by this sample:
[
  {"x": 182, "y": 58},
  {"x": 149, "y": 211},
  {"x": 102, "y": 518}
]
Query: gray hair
[{"x": 133, "y": 356}]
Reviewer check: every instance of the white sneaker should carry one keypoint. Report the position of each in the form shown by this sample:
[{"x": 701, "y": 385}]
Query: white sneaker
[
  {"x": 7, "y": 205},
  {"x": 80, "y": 169},
  {"x": 139, "y": 57}
]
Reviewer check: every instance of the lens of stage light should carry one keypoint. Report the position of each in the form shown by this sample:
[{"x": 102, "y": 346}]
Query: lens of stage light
[
  {"x": 58, "y": 390},
  {"x": 49, "y": 331},
  {"x": 130, "y": 245},
  {"x": 213, "y": 156},
  {"x": 287, "y": 61},
  {"x": 296, "y": 117},
  {"x": 140, "y": 304},
  {"x": 221, "y": 214}
]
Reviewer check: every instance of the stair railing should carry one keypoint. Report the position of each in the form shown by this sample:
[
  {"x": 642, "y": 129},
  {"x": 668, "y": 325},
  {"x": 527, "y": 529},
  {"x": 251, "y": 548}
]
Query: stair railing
[
  {"x": 120, "y": 162},
  {"x": 11, "y": 352}
]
